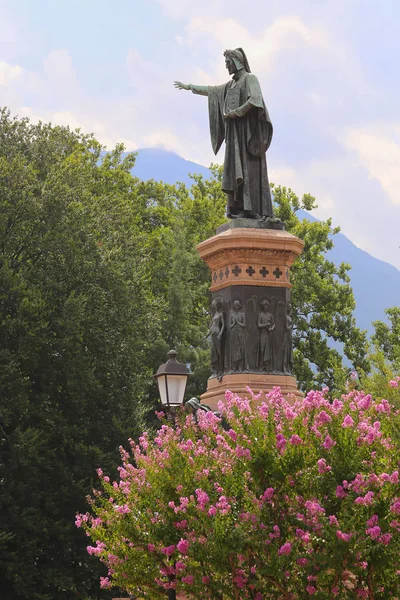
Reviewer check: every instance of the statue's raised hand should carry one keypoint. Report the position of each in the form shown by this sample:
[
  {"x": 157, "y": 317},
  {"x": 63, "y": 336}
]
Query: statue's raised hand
[{"x": 181, "y": 86}]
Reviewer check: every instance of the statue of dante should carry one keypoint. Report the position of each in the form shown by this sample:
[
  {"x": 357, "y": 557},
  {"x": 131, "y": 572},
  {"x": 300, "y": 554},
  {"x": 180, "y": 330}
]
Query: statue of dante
[{"x": 239, "y": 116}]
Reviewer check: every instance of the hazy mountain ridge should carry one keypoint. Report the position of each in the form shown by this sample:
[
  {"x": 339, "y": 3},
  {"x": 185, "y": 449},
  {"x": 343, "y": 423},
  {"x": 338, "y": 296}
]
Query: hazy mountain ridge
[{"x": 376, "y": 284}]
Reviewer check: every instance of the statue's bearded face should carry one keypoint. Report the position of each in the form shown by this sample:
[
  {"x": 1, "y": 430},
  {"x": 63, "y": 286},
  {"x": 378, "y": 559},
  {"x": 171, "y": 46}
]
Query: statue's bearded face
[{"x": 230, "y": 65}]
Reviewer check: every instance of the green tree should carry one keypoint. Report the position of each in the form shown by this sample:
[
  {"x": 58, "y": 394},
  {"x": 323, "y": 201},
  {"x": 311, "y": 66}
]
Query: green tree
[
  {"x": 77, "y": 318},
  {"x": 387, "y": 337},
  {"x": 384, "y": 357}
]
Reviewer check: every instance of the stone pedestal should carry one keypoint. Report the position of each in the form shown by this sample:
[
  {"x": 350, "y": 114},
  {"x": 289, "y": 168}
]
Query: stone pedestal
[{"x": 250, "y": 285}]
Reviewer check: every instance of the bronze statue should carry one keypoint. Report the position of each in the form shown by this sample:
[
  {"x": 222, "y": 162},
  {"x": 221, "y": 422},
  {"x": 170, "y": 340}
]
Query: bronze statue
[
  {"x": 238, "y": 115},
  {"x": 217, "y": 330},
  {"x": 266, "y": 325},
  {"x": 237, "y": 326}
]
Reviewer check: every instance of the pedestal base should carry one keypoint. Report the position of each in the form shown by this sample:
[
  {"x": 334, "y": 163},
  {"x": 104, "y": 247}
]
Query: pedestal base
[{"x": 238, "y": 382}]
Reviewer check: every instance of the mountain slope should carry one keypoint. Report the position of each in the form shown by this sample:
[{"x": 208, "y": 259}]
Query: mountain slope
[{"x": 376, "y": 284}]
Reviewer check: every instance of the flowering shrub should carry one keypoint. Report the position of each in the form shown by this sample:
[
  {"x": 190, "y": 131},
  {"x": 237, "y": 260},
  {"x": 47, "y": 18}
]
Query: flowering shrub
[{"x": 292, "y": 500}]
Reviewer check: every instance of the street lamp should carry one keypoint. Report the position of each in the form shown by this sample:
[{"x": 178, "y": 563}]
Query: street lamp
[{"x": 171, "y": 378}]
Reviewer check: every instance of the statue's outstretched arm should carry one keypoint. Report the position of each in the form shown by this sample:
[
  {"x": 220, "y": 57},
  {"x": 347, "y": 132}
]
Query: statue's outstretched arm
[{"x": 202, "y": 90}]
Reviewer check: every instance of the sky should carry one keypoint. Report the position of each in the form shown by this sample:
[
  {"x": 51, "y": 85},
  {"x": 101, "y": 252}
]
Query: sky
[{"x": 328, "y": 70}]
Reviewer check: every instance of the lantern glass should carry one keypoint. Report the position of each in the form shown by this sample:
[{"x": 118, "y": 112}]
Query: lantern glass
[{"x": 172, "y": 389}]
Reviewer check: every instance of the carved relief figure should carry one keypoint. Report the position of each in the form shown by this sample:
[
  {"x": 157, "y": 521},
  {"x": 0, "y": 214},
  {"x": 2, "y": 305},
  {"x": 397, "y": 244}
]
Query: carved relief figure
[
  {"x": 288, "y": 342},
  {"x": 237, "y": 326},
  {"x": 266, "y": 325},
  {"x": 279, "y": 337},
  {"x": 216, "y": 333}
]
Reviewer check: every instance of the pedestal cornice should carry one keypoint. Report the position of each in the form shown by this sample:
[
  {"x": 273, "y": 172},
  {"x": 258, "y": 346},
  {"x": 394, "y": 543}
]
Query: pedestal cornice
[{"x": 244, "y": 256}]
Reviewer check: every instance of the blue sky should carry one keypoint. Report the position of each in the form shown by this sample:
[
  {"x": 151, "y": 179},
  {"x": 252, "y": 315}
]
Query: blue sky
[{"x": 328, "y": 70}]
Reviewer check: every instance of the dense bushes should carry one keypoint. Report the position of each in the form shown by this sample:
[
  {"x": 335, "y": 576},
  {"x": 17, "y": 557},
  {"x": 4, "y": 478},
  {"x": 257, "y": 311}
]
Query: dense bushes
[{"x": 289, "y": 501}]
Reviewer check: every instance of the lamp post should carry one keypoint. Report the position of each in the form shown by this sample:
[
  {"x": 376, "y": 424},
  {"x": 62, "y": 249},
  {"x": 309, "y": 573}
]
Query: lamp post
[{"x": 172, "y": 378}]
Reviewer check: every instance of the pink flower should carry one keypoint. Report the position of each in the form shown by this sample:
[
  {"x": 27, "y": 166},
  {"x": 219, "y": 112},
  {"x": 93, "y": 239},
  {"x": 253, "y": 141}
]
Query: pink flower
[
  {"x": 323, "y": 417},
  {"x": 345, "y": 537},
  {"x": 333, "y": 521},
  {"x": 232, "y": 434},
  {"x": 180, "y": 566},
  {"x": 205, "y": 579},
  {"x": 296, "y": 440},
  {"x": 393, "y": 383},
  {"x": 314, "y": 507},
  {"x": 105, "y": 583},
  {"x": 183, "y": 546},
  {"x": 347, "y": 421},
  {"x": 374, "y": 532},
  {"x": 373, "y": 521},
  {"x": 267, "y": 495},
  {"x": 323, "y": 467},
  {"x": 310, "y": 589},
  {"x": 395, "y": 507},
  {"x": 285, "y": 549},
  {"x": 366, "y": 500},
  {"x": 340, "y": 493},
  {"x": 328, "y": 442},
  {"x": 385, "y": 538},
  {"x": 280, "y": 442},
  {"x": 151, "y": 547},
  {"x": 168, "y": 550},
  {"x": 189, "y": 579},
  {"x": 78, "y": 520},
  {"x": 202, "y": 497}
]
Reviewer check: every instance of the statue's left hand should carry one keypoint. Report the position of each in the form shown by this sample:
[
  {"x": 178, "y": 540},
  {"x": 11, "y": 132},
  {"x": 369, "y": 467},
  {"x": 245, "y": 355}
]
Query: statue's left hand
[{"x": 231, "y": 115}]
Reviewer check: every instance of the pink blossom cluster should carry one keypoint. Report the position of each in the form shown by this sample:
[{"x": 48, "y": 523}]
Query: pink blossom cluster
[{"x": 296, "y": 498}]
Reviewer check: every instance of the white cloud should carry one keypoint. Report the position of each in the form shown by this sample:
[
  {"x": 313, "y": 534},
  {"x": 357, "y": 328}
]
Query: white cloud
[
  {"x": 102, "y": 131},
  {"x": 163, "y": 138},
  {"x": 9, "y": 72},
  {"x": 284, "y": 33},
  {"x": 184, "y": 9},
  {"x": 304, "y": 182},
  {"x": 380, "y": 155}
]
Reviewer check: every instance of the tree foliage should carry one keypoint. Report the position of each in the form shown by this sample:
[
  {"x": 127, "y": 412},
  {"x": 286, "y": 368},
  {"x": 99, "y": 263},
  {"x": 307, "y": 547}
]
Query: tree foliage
[
  {"x": 384, "y": 357},
  {"x": 77, "y": 318}
]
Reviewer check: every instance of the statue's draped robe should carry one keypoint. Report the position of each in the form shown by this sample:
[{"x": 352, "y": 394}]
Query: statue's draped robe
[{"x": 247, "y": 138}]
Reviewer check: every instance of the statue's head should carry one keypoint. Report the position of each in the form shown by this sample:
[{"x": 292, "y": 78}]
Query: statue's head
[
  {"x": 265, "y": 303},
  {"x": 236, "y": 305},
  {"x": 235, "y": 60}
]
